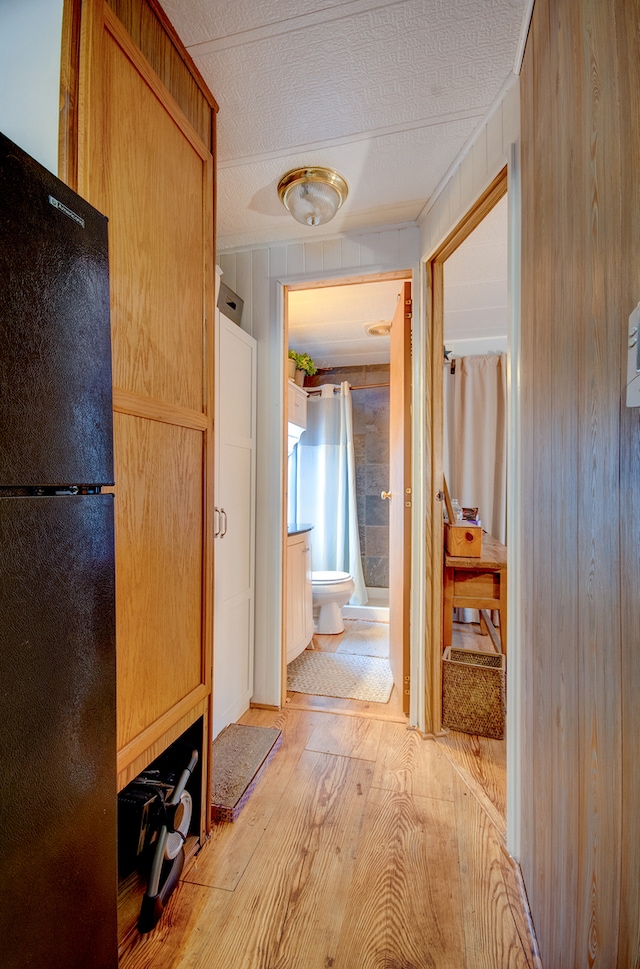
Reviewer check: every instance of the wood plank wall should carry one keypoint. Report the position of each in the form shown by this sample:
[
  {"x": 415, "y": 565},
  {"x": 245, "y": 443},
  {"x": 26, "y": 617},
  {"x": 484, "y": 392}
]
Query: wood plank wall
[
  {"x": 628, "y": 45},
  {"x": 581, "y": 477}
]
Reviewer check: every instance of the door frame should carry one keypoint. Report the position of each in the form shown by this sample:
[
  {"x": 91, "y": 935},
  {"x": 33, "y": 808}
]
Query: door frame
[
  {"x": 401, "y": 502},
  {"x": 434, "y": 305},
  {"x": 285, "y": 287}
]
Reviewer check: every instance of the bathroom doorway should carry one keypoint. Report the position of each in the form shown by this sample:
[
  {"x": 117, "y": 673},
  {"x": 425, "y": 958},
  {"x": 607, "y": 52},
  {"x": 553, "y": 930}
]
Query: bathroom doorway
[{"x": 344, "y": 326}]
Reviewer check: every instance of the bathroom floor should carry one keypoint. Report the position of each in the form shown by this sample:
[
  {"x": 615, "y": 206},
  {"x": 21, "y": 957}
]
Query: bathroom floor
[{"x": 361, "y": 708}]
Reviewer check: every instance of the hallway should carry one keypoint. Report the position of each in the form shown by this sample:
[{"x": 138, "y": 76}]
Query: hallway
[{"x": 361, "y": 848}]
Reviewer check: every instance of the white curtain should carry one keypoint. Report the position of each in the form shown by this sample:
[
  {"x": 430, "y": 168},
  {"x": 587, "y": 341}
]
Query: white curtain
[
  {"x": 475, "y": 442},
  {"x": 325, "y": 485},
  {"x": 475, "y": 435}
]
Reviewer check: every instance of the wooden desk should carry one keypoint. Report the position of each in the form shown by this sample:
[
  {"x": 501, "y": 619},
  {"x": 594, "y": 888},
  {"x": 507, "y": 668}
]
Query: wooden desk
[{"x": 476, "y": 583}]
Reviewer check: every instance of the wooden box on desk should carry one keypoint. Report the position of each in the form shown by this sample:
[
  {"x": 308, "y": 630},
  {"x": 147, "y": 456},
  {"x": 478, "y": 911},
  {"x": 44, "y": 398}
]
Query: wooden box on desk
[{"x": 462, "y": 538}]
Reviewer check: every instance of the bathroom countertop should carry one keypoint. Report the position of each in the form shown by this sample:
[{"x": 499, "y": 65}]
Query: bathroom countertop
[{"x": 297, "y": 528}]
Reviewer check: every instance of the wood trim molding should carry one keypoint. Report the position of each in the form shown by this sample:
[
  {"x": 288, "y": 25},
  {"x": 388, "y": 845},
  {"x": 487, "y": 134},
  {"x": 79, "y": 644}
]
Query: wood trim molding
[
  {"x": 146, "y": 71},
  {"x": 69, "y": 87},
  {"x": 128, "y": 402},
  {"x": 434, "y": 526},
  {"x": 400, "y": 274},
  {"x": 472, "y": 219},
  {"x": 165, "y": 730},
  {"x": 90, "y": 94},
  {"x": 208, "y": 392}
]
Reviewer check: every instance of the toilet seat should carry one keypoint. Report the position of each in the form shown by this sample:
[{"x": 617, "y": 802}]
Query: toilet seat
[{"x": 328, "y": 578}]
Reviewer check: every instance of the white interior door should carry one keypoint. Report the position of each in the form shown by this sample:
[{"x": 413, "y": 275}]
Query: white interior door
[{"x": 234, "y": 546}]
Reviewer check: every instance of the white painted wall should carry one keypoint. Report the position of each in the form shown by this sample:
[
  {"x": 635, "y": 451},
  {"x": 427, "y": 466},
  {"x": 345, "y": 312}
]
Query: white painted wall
[
  {"x": 480, "y": 161},
  {"x": 257, "y": 275},
  {"x": 30, "y": 42}
]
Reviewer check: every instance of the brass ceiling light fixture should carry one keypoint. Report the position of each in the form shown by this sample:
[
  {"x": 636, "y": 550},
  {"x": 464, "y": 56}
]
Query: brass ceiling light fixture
[{"x": 312, "y": 195}]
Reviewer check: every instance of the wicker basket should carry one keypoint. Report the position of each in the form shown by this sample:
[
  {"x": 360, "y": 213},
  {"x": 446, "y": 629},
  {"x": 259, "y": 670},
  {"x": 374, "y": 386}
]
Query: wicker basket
[{"x": 473, "y": 692}]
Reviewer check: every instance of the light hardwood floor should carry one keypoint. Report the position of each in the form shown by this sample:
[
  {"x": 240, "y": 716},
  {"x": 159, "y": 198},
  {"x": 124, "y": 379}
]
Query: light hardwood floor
[
  {"x": 362, "y": 847},
  {"x": 480, "y": 761}
]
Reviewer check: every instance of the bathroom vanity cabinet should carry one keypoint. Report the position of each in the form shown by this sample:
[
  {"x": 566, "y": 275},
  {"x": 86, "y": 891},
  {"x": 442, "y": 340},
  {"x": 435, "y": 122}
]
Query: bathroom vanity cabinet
[
  {"x": 296, "y": 405},
  {"x": 299, "y": 598}
]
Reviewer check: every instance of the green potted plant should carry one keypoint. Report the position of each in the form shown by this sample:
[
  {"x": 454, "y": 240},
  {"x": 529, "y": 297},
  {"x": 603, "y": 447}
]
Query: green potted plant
[{"x": 303, "y": 365}]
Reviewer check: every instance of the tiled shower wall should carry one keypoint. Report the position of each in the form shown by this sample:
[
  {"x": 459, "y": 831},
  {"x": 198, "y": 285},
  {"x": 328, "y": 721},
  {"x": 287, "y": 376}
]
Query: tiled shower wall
[{"x": 371, "y": 440}]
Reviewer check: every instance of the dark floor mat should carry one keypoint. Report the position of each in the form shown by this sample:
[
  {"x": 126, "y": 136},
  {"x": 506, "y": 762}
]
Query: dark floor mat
[{"x": 240, "y": 754}]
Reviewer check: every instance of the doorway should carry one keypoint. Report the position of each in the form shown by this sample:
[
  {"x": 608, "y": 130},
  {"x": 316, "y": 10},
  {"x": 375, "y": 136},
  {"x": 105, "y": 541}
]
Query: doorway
[
  {"x": 436, "y": 310},
  {"x": 335, "y": 322},
  {"x": 475, "y": 368},
  {"x": 434, "y": 451}
]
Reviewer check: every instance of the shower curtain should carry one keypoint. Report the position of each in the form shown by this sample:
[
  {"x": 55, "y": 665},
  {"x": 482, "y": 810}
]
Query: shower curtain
[{"x": 325, "y": 486}]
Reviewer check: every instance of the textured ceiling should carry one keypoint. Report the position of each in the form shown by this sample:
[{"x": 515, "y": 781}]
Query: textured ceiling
[{"x": 386, "y": 93}]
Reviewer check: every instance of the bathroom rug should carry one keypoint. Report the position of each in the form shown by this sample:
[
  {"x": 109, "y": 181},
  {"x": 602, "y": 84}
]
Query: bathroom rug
[
  {"x": 342, "y": 675},
  {"x": 363, "y": 638}
]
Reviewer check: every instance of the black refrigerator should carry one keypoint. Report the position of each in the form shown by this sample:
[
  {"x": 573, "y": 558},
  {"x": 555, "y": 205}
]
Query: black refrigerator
[{"x": 58, "y": 800}]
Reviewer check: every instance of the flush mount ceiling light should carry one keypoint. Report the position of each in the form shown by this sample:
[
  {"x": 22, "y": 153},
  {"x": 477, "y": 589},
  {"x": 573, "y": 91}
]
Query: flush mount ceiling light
[
  {"x": 378, "y": 329},
  {"x": 312, "y": 195}
]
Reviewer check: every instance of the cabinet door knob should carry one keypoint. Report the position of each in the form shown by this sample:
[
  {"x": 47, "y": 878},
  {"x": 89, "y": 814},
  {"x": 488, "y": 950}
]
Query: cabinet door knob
[{"x": 386, "y": 495}]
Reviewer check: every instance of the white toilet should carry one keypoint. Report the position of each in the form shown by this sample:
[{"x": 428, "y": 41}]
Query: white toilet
[{"x": 331, "y": 591}]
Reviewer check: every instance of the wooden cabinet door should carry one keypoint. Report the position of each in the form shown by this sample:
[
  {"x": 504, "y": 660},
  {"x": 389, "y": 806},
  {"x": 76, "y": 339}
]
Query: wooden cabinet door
[
  {"x": 143, "y": 165},
  {"x": 299, "y": 630}
]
